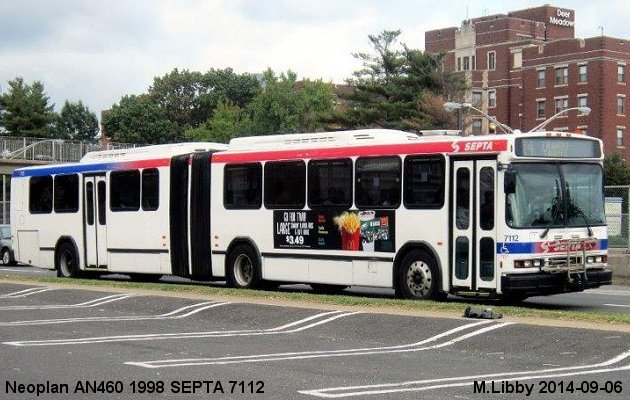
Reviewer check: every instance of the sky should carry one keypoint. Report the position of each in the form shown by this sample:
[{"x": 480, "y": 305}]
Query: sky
[{"x": 97, "y": 51}]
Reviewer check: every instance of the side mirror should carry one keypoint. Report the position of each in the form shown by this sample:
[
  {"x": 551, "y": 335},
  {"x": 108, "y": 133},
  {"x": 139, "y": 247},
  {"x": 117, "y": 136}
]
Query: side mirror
[{"x": 509, "y": 182}]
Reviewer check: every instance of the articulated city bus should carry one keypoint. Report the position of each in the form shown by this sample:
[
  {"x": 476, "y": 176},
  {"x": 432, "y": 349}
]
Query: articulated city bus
[{"x": 511, "y": 215}]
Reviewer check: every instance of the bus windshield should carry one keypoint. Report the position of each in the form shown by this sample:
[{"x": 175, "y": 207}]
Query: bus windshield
[{"x": 556, "y": 195}]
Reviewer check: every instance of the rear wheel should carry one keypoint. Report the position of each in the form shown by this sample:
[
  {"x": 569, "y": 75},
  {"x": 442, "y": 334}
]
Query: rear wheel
[
  {"x": 418, "y": 277},
  {"x": 243, "y": 267},
  {"x": 67, "y": 261}
]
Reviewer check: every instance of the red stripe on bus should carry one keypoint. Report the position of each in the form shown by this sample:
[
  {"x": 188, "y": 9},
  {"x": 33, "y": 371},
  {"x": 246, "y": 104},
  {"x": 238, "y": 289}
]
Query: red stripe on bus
[
  {"x": 455, "y": 147},
  {"x": 154, "y": 163}
]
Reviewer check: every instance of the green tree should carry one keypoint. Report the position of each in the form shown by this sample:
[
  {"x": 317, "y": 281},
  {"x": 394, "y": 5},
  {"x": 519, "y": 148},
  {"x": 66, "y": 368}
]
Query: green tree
[
  {"x": 137, "y": 119},
  {"x": 188, "y": 98},
  {"x": 227, "y": 121},
  {"x": 616, "y": 171},
  {"x": 398, "y": 87},
  {"x": 76, "y": 122},
  {"x": 285, "y": 105},
  {"x": 24, "y": 110}
]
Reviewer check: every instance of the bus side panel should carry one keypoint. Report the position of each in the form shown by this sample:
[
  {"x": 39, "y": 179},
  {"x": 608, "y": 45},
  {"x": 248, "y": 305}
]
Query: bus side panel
[
  {"x": 200, "y": 185},
  {"x": 179, "y": 215}
]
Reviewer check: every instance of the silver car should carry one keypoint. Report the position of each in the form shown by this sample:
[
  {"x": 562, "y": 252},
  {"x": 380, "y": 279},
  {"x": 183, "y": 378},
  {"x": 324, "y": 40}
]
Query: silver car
[{"x": 7, "y": 256}]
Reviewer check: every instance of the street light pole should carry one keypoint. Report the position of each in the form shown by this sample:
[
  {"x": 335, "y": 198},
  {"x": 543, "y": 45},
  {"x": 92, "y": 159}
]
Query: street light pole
[
  {"x": 452, "y": 106},
  {"x": 584, "y": 110}
]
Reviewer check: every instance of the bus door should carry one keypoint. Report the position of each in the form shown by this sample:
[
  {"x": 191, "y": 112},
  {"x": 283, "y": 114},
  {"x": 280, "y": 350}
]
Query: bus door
[
  {"x": 473, "y": 226},
  {"x": 94, "y": 221}
]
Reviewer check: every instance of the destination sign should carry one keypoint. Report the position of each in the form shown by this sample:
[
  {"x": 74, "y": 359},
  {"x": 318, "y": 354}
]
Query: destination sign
[{"x": 555, "y": 147}]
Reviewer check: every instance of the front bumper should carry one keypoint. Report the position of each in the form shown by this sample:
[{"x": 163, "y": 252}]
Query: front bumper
[{"x": 545, "y": 283}]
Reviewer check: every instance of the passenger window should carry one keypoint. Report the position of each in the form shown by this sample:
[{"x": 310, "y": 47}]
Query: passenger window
[
  {"x": 378, "y": 182},
  {"x": 124, "y": 194},
  {"x": 150, "y": 189},
  {"x": 242, "y": 186},
  {"x": 424, "y": 182},
  {"x": 40, "y": 198},
  {"x": 66, "y": 193},
  {"x": 330, "y": 183},
  {"x": 285, "y": 184}
]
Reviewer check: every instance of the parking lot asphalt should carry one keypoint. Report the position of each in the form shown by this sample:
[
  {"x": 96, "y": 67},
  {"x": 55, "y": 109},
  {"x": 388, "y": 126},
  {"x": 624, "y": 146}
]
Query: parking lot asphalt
[{"x": 111, "y": 345}]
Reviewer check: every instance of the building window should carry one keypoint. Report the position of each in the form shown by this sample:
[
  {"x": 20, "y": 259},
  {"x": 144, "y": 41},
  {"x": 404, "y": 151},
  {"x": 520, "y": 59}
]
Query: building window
[
  {"x": 620, "y": 132},
  {"x": 562, "y": 104},
  {"x": 541, "y": 78},
  {"x": 621, "y": 73},
  {"x": 466, "y": 63},
  {"x": 473, "y": 63},
  {"x": 476, "y": 126},
  {"x": 562, "y": 76},
  {"x": 476, "y": 99},
  {"x": 459, "y": 63},
  {"x": 492, "y": 60},
  {"x": 621, "y": 105},
  {"x": 5, "y": 201},
  {"x": 583, "y": 129},
  {"x": 540, "y": 108},
  {"x": 581, "y": 73},
  {"x": 582, "y": 102},
  {"x": 492, "y": 98}
]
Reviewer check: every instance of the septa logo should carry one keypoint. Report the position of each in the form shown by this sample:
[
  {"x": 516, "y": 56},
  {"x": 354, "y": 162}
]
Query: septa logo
[
  {"x": 473, "y": 146},
  {"x": 557, "y": 246}
]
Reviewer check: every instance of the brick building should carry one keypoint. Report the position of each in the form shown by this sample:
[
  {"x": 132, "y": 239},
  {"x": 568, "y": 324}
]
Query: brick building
[{"x": 526, "y": 65}]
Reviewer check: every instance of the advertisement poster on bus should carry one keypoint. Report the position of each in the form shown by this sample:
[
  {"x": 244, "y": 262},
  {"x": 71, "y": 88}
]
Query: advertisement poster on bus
[{"x": 365, "y": 230}]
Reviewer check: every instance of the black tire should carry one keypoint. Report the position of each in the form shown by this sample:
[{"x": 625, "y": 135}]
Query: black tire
[
  {"x": 327, "y": 289},
  {"x": 145, "y": 277},
  {"x": 243, "y": 268},
  {"x": 418, "y": 277},
  {"x": 7, "y": 257},
  {"x": 67, "y": 261}
]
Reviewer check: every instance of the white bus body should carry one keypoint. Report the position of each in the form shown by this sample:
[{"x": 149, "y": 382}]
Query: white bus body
[{"x": 501, "y": 215}]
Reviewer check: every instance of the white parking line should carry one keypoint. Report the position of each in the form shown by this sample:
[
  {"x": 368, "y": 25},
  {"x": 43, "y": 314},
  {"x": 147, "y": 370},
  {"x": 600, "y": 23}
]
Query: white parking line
[
  {"x": 91, "y": 303},
  {"x": 405, "y": 348},
  {"x": 441, "y": 383},
  {"x": 177, "y": 314},
  {"x": 296, "y": 326},
  {"x": 25, "y": 292},
  {"x": 617, "y": 305}
]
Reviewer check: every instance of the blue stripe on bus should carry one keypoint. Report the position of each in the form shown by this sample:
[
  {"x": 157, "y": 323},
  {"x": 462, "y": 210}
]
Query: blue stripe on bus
[{"x": 63, "y": 169}]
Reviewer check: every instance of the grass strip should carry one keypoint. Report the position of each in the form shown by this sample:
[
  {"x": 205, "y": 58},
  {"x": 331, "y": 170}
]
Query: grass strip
[{"x": 455, "y": 307}]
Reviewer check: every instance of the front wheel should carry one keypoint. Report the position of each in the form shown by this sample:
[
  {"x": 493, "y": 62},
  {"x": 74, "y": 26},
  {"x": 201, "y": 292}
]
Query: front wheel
[
  {"x": 418, "y": 277},
  {"x": 7, "y": 258},
  {"x": 243, "y": 267},
  {"x": 67, "y": 261}
]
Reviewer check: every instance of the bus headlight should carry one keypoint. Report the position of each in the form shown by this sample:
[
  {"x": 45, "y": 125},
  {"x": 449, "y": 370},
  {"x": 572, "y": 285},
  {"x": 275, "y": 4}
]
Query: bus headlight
[
  {"x": 590, "y": 259},
  {"x": 535, "y": 263}
]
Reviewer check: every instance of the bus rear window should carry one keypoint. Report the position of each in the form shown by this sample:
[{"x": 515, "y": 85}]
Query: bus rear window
[
  {"x": 424, "y": 182},
  {"x": 285, "y": 184},
  {"x": 242, "y": 186},
  {"x": 378, "y": 182},
  {"x": 330, "y": 183},
  {"x": 66, "y": 193},
  {"x": 124, "y": 192},
  {"x": 40, "y": 198}
]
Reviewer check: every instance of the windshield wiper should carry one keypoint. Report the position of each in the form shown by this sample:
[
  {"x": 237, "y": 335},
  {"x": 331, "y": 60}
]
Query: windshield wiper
[
  {"x": 572, "y": 205},
  {"x": 555, "y": 207}
]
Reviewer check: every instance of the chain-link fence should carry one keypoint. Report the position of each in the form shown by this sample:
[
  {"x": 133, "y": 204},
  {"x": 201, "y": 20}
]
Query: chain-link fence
[{"x": 616, "y": 201}]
